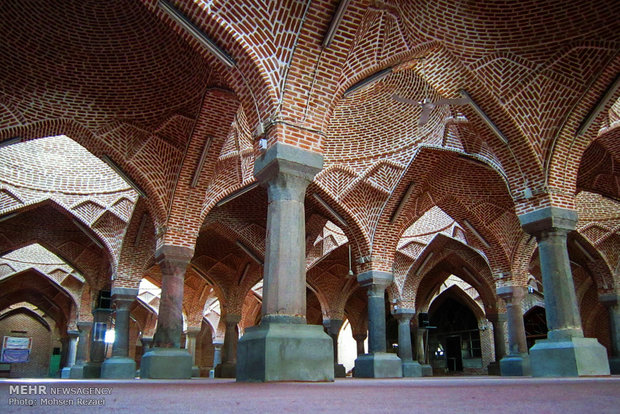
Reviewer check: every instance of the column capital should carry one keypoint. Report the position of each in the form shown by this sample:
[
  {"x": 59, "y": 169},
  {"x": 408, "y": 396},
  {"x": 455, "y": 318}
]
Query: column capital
[
  {"x": 609, "y": 299},
  {"x": 496, "y": 317},
  {"x": 192, "y": 330},
  {"x": 123, "y": 296},
  {"x": 232, "y": 318},
  {"x": 404, "y": 315},
  {"x": 548, "y": 218},
  {"x": 287, "y": 159},
  {"x": 375, "y": 278},
  {"x": 360, "y": 336},
  {"x": 332, "y": 326},
  {"x": 511, "y": 293},
  {"x": 73, "y": 334},
  {"x": 84, "y": 326},
  {"x": 179, "y": 255}
]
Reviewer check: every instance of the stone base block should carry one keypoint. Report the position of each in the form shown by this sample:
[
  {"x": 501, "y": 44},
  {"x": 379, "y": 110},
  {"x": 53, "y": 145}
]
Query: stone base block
[
  {"x": 378, "y": 365},
  {"x": 427, "y": 370},
  {"x": 226, "y": 370},
  {"x": 614, "y": 365},
  {"x": 412, "y": 369},
  {"x": 166, "y": 363},
  {"x": 92, "y": 370},
  {"x": 285, "y": 352},
  {"x": 515, "y": 366},
  {"x": 118, "y": 367},
  {"x": 195, "y": 371},
  {"x": 493, "y": 368},
  {"x": 77, "y": 372},
  {"x": 65, "y": 373},
  {"x": 569, "y": 358},
  {"x": 340, "y": 371}
]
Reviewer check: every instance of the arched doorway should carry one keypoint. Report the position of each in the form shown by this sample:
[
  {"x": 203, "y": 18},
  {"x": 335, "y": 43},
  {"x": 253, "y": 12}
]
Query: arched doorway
[
  {"x": 535, "y": 321},
  {"x": 454, "y": 339}
]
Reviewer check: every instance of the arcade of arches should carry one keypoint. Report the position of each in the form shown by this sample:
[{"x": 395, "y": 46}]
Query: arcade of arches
[{"x": 298, "y": 190}]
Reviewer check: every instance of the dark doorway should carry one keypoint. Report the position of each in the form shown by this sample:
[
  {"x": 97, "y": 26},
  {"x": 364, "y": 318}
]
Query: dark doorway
[
  {"x": 453, "y": 353},
  {"x": 535, "y": 321}
]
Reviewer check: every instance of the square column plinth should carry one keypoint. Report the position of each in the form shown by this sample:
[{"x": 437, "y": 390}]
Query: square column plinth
[
  {"x": 285, "y": 352},
  {"x": 378, "y": 365},
  {"x": 166, "y": 363},
  {"x": 568, "y": 358}
]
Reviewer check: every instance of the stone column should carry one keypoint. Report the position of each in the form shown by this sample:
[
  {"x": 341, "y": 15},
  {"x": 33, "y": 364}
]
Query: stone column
[
  {"x": 101, "y": 319},
  {"x": 565, "y": 352},
  {"x": 283, "y": 347},
  {"x": 120, "y": 365},
  {"x": 228, "y": 367},
  {"x": 499, "y": 341},
  {"x": 612, "y": 302},
  {"x": 359, "y": 340},
  {"x": 411, "y": 368},
  {"x": 166, "y": 359},
  {"x": 217, "y": 353},
  {"x": 516, "y": 362},
  {"x": 377, "y": 363},
  {"x": 332, "y": 328},
  {"x": 427, "y": 370},
  {"x": 73, "y": 337},
  {"x": 190, "y": 344},
  {"x": 77, "y": 370}
]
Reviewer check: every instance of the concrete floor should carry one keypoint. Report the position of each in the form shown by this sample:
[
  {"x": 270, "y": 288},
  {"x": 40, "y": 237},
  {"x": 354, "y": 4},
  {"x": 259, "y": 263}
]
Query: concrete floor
[{"x": 423, "y": 395}]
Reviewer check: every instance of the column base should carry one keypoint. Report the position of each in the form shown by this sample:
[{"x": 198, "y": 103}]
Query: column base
[
  {"x": 569, "y": 358},
  {"x": 285, "y": 352},
  {"x": 515, "y": 366},
  {"x": 427, "y": 370},
  {"x": 92, "y": 370},
  {"x": 378, "y": 365},
  {"x": 493, "y": 368},
  {"x": 412, "y": 369},
  {"x": 340, "y": 371},
  {"x": 65, "y": 373},
  {"x": 166, "y": 363},
  {"x": 614, "y": 365},
  {"x": 226, "y": 370},
  {"x": 118, "y": 367},
  {"x": 195, "y": 371},
  {"x": 77, "y": 371}
]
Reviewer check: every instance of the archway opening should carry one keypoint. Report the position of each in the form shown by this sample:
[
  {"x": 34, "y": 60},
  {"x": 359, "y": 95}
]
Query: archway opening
[{"x": 535, "y": 325}]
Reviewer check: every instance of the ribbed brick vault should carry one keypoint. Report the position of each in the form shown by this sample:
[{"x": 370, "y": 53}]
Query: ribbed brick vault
[{"x": 121, "y": 81}]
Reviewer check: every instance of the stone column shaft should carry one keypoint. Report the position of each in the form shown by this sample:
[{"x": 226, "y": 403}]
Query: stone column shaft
[
  {"x": 405, "y": 350},
  {"x": 231, "y": 337},
  {"x": 513, "y": 296},
  {"x": 101, "y": 319},
  {"x": 71, "y": 357},
  {"x": 284, "y": 285},
  {"x": 217, "y": 353},
  {"x": 173, "y": 262},
  {"x": 499, "y": 333},
  {"x": 123, "y": 298},
  {"x": 82, "y": 349},
  {"x": 612, "y": 302},
  {"x": 190, "y": 341},
  {"x": 359, "y": 340}
]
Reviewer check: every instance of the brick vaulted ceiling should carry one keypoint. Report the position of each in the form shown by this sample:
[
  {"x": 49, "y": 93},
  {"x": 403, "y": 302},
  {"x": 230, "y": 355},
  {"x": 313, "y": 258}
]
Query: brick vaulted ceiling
[{"x": 124, "y": 80}]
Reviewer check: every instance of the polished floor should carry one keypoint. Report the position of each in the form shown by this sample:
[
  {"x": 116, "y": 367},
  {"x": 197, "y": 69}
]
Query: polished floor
[{"x": 420, "y": 395}]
